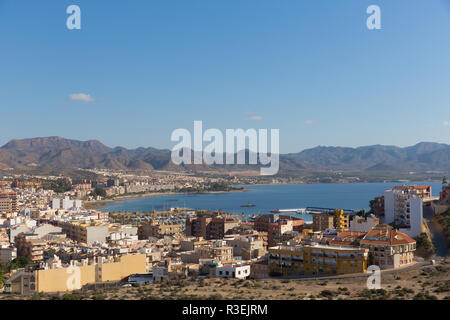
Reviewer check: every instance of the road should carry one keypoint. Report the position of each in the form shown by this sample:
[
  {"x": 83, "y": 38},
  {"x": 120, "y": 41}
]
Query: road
[
  {"x": 415, "y": 266},
  {"x": 437, "y": 238}
]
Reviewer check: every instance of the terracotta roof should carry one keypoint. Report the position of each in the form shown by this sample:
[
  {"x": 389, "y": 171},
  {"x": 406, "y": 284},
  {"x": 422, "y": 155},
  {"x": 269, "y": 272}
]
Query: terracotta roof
[
  {"x": 348, "y": 238},
  {"x": 385, "y": 234}
]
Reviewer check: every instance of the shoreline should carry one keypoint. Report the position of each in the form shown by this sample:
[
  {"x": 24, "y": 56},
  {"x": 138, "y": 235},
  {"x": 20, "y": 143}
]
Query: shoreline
[
  {"x": 98, "y": 204},
  {"x": 346, "y": 182}
]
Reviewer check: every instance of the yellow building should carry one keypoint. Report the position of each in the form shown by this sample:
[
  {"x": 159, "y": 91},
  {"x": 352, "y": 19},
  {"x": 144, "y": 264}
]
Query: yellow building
[
  {"x": 74, "y": 277},
  {"x": 317, "y": 260},
  {"x": 341, "y": 220}
]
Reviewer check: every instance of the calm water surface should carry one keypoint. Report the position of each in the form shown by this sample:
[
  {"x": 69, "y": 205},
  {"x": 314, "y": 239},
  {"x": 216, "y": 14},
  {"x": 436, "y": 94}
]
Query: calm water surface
[{"x": 269, "y": 197}]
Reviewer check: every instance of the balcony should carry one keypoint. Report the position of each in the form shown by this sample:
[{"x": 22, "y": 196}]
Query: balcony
[
  {"x": 317, "y": 254},
  {"x": 300, "y": 259}
]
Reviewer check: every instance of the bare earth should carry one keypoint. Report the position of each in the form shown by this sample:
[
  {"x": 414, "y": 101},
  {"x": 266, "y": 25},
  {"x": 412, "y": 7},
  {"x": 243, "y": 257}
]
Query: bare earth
[{"x": 428, "y": 282}]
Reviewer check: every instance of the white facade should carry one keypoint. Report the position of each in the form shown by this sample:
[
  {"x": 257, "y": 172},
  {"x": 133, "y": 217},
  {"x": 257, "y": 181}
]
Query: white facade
[
  {"x": 78, "y": 204},
  {"x": 56, "y": 204},
  {"x": 404, "y": 210},
  {"x": 233, "y": 271},
  {"x": 67, "y": 203}
]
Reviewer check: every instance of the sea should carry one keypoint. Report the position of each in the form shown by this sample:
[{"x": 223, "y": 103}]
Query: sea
[{"x": 350, "y": 196}]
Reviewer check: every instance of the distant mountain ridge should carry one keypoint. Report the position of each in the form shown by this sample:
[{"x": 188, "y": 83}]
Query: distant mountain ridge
[
  {"x": 61, "y": 153},
  {"x": 424, "y": 156}
]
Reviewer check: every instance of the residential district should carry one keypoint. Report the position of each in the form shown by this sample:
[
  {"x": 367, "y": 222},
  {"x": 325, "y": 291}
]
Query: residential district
[{"x": 49, "y": 241}]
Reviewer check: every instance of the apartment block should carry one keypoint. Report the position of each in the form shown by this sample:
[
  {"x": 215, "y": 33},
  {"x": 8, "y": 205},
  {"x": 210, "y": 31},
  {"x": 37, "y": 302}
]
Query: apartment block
[
  {"x": 247, "y": 247},
  {"x": 262, "y": 222},
  {"x": 422, "y": 192},
  {"x": 8, "y": 202},
  {"x": 58, "y": 278},
  {"x": 389, "y": 248},
  {"x": 323, "y": 221},
  {"x": 404, "y": 208},
  {"x": 30, "y": 246},
  {"x": 210, "y": 228},
  {"x": 158, "y": 230},
  {"x": 87, "y": 233},
  {"x": 219, "y": 252},
  {"x": 331, "y": 220},
  {"x": 7, "y": 254},
  {"x": 317, "y": 260},
  {"x": 283, "y": 230},
  {"x": 196, "y": 227},
  {"x": 341, "y": 220}
]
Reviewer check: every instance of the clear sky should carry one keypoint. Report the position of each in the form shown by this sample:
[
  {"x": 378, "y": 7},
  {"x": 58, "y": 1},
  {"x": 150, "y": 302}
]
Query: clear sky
[{"x": 137, "y": 70}]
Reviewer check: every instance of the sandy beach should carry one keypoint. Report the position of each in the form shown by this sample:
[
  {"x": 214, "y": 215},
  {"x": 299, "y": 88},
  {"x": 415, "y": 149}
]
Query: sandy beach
[{"x": 97, "y": 204}]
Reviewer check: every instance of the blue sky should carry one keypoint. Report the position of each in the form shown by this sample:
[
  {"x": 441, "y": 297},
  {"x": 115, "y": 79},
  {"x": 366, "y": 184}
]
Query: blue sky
[{"x": 309, "y": 68}]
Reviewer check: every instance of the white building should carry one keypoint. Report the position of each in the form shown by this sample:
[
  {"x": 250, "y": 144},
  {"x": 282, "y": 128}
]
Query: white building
[
  {"x": 56, "y": 204},
  {"x": 404, "y": 210},
  {"x": 67, "y": 203},
  {"x": 238, "y": 271},
  {"x": 78, "y": 204}
]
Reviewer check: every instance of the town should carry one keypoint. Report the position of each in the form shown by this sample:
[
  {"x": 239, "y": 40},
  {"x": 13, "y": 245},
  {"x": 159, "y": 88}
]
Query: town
[{"x": 51, "y": 243}]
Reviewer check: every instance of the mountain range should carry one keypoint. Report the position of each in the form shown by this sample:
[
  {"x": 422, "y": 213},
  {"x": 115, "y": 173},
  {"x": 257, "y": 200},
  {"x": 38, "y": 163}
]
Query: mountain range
[{"x": 60, "y": 153}]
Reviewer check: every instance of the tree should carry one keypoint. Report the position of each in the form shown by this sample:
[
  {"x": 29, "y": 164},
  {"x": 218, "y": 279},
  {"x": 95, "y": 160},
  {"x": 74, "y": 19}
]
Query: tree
[
  {"x": 444, "y": 181},
  {"x": 19, "y": 262},
  {"x": 99, "y": 192}
]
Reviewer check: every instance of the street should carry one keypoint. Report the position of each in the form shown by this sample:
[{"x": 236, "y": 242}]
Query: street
[{"x": 437, "y": 238}]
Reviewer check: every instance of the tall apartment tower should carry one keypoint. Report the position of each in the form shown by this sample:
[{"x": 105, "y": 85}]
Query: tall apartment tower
[{"x": 404, "y": 209}]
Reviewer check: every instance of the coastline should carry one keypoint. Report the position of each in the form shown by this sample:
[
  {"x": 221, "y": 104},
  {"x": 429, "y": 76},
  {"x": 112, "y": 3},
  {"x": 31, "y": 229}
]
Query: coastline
[{"x": 98, "y": 204}]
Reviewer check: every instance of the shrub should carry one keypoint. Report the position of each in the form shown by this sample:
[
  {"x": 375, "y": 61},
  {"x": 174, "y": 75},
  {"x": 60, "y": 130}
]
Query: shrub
[
  {"x": 424, "y": 296},
  {"x": 216, "y": 296},
  {"x": 71, "y": 296},
  {"x": 327, "y": 294}
]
